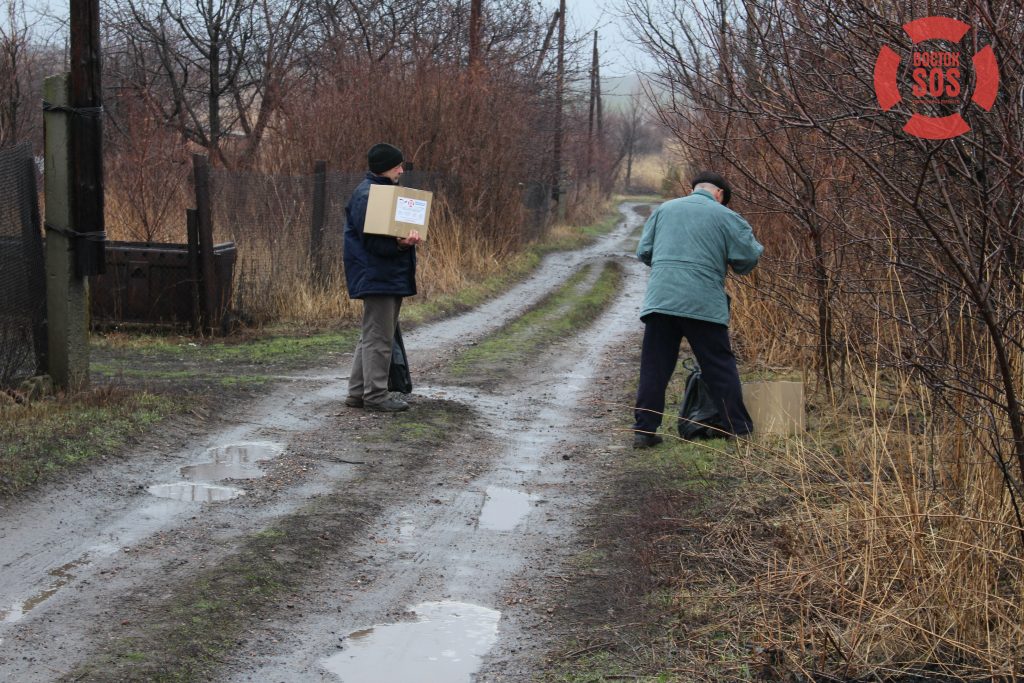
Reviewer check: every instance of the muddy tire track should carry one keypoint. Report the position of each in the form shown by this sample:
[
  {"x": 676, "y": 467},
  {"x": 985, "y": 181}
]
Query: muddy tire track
[{"x": 73, "y": 551}]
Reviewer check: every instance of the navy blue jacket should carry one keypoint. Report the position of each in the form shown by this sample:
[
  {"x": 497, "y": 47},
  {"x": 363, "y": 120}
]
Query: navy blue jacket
[{"x": 374, "y": 264}]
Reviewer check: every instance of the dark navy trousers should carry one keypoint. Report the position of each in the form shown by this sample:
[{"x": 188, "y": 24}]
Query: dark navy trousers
[{"x": 710, "y": 344}]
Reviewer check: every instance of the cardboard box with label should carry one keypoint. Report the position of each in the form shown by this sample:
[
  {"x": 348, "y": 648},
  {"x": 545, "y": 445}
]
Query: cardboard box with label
[
  {"x": 395, "y": 210},
  {"x": 775, "y": 407}
]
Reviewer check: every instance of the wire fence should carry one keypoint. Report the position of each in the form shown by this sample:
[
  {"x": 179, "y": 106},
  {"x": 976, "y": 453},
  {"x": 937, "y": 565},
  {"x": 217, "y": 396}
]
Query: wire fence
[{"x": 22, "y": 275}]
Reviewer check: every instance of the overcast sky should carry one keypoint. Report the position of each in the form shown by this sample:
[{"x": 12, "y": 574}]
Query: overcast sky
[{"x": 619, "y": 53}]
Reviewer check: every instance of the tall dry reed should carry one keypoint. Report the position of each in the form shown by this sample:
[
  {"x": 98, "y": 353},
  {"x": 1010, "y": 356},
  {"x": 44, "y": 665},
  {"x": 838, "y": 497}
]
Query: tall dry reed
[
  {"x": 895, "y": 552},
  {"x": 893, "y": 548}
]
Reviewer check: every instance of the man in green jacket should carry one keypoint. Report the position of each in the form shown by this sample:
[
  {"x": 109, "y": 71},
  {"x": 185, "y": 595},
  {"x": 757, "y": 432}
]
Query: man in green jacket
[{"x": 689, "y": 243}]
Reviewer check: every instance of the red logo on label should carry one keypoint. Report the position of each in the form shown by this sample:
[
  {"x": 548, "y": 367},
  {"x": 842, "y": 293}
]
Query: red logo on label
[{"x": 937, "y": 75}]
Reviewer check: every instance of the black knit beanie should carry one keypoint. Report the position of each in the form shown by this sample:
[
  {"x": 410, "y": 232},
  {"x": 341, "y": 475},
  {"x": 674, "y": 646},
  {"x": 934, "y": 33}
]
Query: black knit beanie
[
  {"x": 715, "y": 179},
  {"x": 384, "y": 157}
]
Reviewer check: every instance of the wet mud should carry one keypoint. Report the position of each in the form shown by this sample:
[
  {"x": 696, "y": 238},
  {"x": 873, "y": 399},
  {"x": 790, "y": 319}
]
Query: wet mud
[{"x": 57, "y": 579}]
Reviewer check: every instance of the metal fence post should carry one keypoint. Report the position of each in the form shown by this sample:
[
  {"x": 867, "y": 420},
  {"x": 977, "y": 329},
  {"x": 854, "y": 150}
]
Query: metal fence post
[
  {"x": 194, "y": 270},
  {"x": 316, "y": 233},
  {"x": 33, "y": 249}
]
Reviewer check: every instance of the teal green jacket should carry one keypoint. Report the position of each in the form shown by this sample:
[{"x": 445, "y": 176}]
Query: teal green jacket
[{"x": 689, "y": 243}]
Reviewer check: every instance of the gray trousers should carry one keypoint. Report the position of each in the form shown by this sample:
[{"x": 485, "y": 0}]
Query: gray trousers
[{"x": 368, "y": 379}]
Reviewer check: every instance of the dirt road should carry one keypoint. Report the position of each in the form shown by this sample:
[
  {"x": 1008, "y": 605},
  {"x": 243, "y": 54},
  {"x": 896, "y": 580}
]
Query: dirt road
[{"x": 295, "y": 539}]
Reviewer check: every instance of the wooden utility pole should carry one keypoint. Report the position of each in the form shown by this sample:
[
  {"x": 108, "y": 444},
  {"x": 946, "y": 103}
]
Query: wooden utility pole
[
  {"x": 87, "y": 138},
  {"x": 195, "y": 270},
  {"x": 475, "y": 18},
  {"x": 597, "y": 96},
  {"x": 547, "y": 43},
  {"x": 559, "y": 97},
  {"x": 590, "y": 118},
  {"x": 204, "y": 216},
  {"x": 316, "y": 230}
]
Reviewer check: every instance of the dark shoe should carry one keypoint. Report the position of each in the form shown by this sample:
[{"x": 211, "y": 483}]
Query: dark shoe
[
  {"x": 388, "y": 405},
  {"x": 642, "y": 440},
  {"x": 354, "y": 402}
]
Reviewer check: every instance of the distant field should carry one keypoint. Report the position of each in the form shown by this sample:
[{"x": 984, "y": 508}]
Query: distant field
[{"x": 648, "y": 172}]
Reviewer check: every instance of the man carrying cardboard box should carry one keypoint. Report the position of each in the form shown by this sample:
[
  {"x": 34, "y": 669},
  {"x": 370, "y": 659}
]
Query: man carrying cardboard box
[{"x": 380, "y": 270}]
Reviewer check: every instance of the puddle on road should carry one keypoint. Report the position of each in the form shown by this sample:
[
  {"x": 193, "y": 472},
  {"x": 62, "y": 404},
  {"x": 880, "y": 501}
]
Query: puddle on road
[
  {"x": 237, "y": 461},
  {"x": 406, "y": 528},
  {"x": 234, "y": 461},
  {"x": 444, "y": 645},
  {"x": 62, "y": 576},
  {"x": 200, "y": 493},
  {"x": 504, "y": 508}
]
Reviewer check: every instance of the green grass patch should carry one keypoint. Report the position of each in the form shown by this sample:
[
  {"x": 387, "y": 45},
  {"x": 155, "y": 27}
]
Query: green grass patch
[
  {"x": 682, "y": 465},
  {"x": 572, "y": 307},
  {"x": 426, "y": 422},
  {"x": 111, "y": 369},
  {"x": 280, "y": 349},
  {"x": 298, "y": 350},
  {"x": 243, "y": 381},
  {"x": 48, "y": 436}
]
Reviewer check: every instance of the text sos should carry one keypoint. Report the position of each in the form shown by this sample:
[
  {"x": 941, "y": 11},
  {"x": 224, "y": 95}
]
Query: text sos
[{"x": 936, "y": 74}]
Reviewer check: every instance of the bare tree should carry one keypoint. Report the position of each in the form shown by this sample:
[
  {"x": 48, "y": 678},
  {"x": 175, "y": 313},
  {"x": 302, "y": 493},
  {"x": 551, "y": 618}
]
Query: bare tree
[
  {"x": 21, "y": 55},
  {"x": 215, "y": 70},
  {"x": 635, "y": 133}
]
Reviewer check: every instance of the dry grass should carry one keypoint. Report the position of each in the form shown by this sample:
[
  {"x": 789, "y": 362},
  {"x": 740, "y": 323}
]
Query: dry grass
[
  {"x": 766, "y": 335},
  {"x": 878, "y": 547},
  {"x": 272, "y": 278},
  {"x": 452, "y": 259},
  {"x": 886, "y": 545},
  {"x": 455, "y": 256},
  {"x": 648, "y": 173},
  {"x": 893, "y": 553}
]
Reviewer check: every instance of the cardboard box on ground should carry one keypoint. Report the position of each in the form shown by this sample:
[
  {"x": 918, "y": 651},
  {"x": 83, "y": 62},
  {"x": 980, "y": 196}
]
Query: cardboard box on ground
[
  {"x": 395, "y": 210},
  {"x": 775, "y": 407}
]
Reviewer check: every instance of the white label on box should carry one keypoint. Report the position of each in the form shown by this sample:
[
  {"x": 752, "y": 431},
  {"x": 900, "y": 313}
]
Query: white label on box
[{"x": 409, "y": 210}]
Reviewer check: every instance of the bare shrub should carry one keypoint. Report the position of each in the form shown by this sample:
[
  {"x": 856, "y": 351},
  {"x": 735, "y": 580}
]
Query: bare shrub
[
  {"x": 473, "y": 130},
  {"x": 147, "y": 178}
]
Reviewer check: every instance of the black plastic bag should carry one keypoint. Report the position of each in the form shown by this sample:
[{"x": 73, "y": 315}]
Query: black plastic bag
[
  {"x": 698, "y": 415},
  {"x": 399, "y": 378}
]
